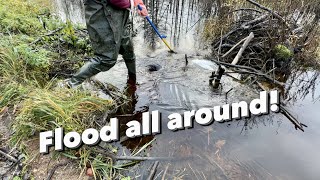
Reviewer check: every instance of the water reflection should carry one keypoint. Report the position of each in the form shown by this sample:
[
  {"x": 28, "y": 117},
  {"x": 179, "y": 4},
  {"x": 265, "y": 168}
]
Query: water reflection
[
  {"x": 266, "y": 147},
  {"x": 301, "y": 84}
]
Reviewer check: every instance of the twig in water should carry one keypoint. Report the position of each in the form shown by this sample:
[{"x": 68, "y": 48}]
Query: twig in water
[
  {"x": 165, "y": 172},
  {"x": 186, "y": 57},
  {"x": 247, "y": 9},
  {"x": 227, "y": 95},
  {"x": 296, "y": 123},
  {"x": 136, "y": 158},
  {"x": 153, "y": 171},
  {"x": 11, "y": 166},
  {"x": 251, "y": 71},
  {"x": 193, "y": 171}
]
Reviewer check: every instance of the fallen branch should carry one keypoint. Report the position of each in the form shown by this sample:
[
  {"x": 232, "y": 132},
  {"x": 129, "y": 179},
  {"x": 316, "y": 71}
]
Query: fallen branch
[
  {"x": 296, "y": 123},
  {"x": 288, "y": 115},
  {"x": 253, "y": 71},
  {"x": 257, "y": 20},
  {"x": 247, "y": 9},
  {"x": 243, "y": 26},
  {"x": 270, "y": 11},
  {"x": 11, "y": 166},
  {"x": 258, "y": 74},
  {"x": 8, "y": 156},
  {"x": 235, "y": 46},
  {"x": 134, "y": 158},
  {"x": 244, "y": 46}
]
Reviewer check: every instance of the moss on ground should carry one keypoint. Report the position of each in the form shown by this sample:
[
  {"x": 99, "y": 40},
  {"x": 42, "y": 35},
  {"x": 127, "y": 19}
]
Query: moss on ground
[{"x": 282, "y": 52}]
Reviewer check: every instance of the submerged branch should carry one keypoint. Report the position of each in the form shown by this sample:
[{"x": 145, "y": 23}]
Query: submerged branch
[
  {"x": 296, "y": 123},
  {"x": 153, "y": 171},
  {"x": 253, "y": 71}
]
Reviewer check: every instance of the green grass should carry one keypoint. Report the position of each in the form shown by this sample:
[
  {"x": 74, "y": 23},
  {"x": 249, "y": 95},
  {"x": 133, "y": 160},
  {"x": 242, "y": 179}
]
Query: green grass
[
  {"x": 47, "y": 109},
  {"x": 21, "y": 17},
  {"x": 27, "y": 55}
]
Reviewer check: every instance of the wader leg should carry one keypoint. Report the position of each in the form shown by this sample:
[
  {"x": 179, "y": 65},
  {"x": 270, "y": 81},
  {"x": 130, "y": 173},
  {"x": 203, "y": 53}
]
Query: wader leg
[
  {"x": 105, "y": 27},
  {"x": 127, "y": 51}
]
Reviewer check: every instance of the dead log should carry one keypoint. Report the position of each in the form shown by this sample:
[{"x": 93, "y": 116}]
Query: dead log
[
  {"x": 235, "y": 46},
  {"x": 246, "y": 25},
  {"x": 244, "y": 46}
]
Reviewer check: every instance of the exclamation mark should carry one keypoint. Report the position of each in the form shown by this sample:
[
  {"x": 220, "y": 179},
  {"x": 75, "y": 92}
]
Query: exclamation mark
[{"x": 274, "y": 101}]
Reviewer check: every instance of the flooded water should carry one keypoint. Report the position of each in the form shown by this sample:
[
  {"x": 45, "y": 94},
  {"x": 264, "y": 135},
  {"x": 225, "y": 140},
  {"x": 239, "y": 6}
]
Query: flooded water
[{"x": 266, "y": 147}]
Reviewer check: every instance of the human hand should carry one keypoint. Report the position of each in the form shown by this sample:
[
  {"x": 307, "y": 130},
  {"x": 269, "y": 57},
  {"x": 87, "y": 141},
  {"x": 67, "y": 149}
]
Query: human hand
[
  {"x": 142, "y": 8},
  {"x": 143, "y": 12}
]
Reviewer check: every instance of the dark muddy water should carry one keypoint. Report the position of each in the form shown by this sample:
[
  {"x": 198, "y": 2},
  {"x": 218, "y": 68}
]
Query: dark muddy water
[{"x": 266, "y": 147}]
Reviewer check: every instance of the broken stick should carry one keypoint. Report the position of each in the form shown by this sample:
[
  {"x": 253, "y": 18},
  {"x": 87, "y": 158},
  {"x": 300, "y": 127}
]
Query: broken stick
[
  {"x": 8, "y": 156},
  {"x": 288, "y": 115},
  {"x": 251, "y": 70},
  {"x": 270, "y": 11},
  {"x": 235, "y": 46},
  {"x": 244, "y": 46}
]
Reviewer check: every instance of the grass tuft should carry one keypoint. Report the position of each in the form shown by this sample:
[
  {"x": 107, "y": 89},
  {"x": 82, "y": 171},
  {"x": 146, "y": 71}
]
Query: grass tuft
[{"x": 46, "y": 109}]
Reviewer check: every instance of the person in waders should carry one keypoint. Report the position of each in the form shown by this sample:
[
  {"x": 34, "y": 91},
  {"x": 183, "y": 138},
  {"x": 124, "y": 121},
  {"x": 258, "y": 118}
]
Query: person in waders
[{"x": 109, "y": 28}]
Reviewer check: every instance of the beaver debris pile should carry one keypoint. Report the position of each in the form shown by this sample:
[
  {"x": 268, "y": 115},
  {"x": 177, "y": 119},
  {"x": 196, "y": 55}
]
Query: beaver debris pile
[{"x": 262, "y": 42}]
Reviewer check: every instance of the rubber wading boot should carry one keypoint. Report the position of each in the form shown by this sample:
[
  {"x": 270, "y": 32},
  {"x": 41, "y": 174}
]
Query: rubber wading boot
[
  {"x": 132, "y": 80},
  {"x": 130, "y": 91}
]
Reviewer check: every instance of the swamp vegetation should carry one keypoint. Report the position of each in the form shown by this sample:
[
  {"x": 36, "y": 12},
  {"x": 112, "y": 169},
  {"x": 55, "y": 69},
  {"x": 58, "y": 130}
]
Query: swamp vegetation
[{"x": 38, "y": 49}]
